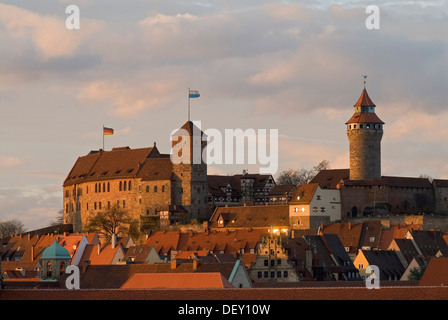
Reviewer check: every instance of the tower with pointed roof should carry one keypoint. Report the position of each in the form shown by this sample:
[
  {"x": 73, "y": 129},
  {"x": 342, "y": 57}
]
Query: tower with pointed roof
[{"x": 365, "y": 131}]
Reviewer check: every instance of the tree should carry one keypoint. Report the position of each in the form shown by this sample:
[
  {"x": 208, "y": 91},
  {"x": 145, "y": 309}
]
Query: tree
[
  {"x": 109, "y": 222},
  {"x": 10, "y": 228},
  {"x": 416, "y": 273},
  {"x": 302, "y": 176},
  {"x": 59, "y": 219}
]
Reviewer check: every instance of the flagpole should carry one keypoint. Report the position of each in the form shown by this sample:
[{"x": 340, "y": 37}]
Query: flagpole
[
  {"x": 103, "y": 137},
  {"x": 188, "y": 104}
]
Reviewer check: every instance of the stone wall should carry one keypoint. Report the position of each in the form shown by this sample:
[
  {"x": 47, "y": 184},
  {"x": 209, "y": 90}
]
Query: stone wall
[{"x": 365, "y": 153}]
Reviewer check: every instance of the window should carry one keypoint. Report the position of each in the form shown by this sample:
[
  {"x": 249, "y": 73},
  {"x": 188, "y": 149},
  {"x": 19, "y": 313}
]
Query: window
[
  {"x": 279, "y": 262},
  {"x": 318, "y": 197},
  {"x": 120, "y": 186},
  {"x": 147, "y": 188},
  {"x": 124, "y": 204},
  {"x": 266, "y": 263},
  {"x": 104, "y": 187},
  {"x": 360, "y": 266},
  {"x": 272, "y": 274},
  {"x": 130, "y": 186},
  {"x": 322, "y": 209},
  {"x": 99, "y": 205},
  {"x": 108, "y": 204},
  {"x": 94, "y": 206},
  {"x": 87, "y": 206},
  {"x": 124, "y": 186},
  {"x": 315, "y": 209},
  {"x": 108, "y": 187},
  {"x": 259, "y": 274},
  {"x": 163, "y": 188},
  {"x": 279, "y": 274},
  {"x": 96, "y": 187},
  {"x": 155, "y": 189},
  {"x": 285, "y": 274},
  {"x": 372, "y": 239},
  {"x": 266, "y": 274},
  {"x": 272, "y": 263}
]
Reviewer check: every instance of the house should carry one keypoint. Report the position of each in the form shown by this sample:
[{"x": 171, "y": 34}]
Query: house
[
  {"x": 265, "y": 217},
  {"x": 239, "y": 189},
  {"x": 95, "y": 254},
  {"x": 281, "y": 194},
  {"x": 436, "y": 273},
  {"x": 326, "y": 259},
  {"x": 370, "y": 235},
  {"x": 388, "y": 262},
  {"x": 311, "y": 205},
  {"x": 272, "y": 263},
  {"x": 349, "y": 233},
  {"x": 405, "y": 249},
  {"x": 395, "y": 231},
  {"x": 429, "y": 243},
  {"x": 233, "y": 242},
  {"x": 114, "y": 276},
  {"x": 142, "y": 254},
  {"x": 197, "y": 280},
  {"x": 417, "y": 262}
]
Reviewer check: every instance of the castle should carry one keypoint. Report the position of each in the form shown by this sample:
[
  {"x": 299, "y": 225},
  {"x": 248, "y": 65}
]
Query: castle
[
  {"x": 364, "y": 191},
  {"x": 143, "y": 181}
]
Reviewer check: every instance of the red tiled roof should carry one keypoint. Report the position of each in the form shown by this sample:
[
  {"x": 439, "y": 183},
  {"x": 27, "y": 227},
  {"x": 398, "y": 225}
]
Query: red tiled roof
[
  {"x": 436, "y": 273},
  {"x": 304, "y": 193},
  {"x": 252, "y": 216},
  {"x": 364, "y": 118},
  {"x": 196, "y": 280},
  {"x": 330, "y": 178},
  {"x": 324, "y": 293},
  {"x": 364, "y": 100}
]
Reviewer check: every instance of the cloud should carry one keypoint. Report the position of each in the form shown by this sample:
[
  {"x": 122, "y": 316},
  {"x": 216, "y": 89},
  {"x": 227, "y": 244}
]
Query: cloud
[
  {"x": 129, "y": 98},
  {"x": 49, "y": 34},
  {"x": 10, "y": 162}
]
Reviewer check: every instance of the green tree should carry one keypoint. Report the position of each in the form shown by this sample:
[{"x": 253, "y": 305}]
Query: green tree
[
  {"x": 112, "y": 221},
  {"x": 416, "y": 273}
]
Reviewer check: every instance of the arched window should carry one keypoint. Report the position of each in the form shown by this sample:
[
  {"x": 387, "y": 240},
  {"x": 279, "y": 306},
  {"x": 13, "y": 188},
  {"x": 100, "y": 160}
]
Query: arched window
[
  {"x": 147, "y": 188},
  {"x": 130, "y": 185},
  {"x": 155, "y": 188},
  {"x": 120, "y": 186},
  {"x": 96, "y": 188},
  {"x": 49, "y": 269},
  {"x": 124, "y": 186},
  {"x": 104, "y": 187},
  {"x": 108, "y": 187}
]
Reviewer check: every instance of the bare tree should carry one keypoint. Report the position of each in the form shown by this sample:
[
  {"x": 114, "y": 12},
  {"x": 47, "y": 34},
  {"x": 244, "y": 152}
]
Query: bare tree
[
  {"x": 302, "y": 176},
  {"x": 10, "y": 228},
  {"x": 109, "y": 222}
]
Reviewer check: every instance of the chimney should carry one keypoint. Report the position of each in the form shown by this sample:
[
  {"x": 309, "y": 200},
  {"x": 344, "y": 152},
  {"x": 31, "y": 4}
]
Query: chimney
[
  {"x": 173, "y": 264},
  {"x": 32, "y": 253},
  {"x": 154, "y": 144},
  {"x": 195, "y": 264},
  {"x": 114, "y": 241},
  {"x": 349, "y": 225},
  {"x": 28, "y": 237}
]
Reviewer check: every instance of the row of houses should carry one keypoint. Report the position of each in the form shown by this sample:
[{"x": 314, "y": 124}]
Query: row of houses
[{"x": 246, "y": 257}]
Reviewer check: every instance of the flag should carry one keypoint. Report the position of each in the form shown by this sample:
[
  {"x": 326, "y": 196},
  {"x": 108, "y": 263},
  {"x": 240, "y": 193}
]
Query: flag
[
  {"x": 108, "y": 131},
  {"x": 194, "y": 94}
]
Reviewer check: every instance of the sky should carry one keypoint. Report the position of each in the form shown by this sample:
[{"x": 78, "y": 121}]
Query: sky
[{"x": 294, "y": 66}]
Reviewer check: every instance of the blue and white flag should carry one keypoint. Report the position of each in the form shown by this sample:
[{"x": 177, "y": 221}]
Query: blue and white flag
[{"x": 194, "y": 94}]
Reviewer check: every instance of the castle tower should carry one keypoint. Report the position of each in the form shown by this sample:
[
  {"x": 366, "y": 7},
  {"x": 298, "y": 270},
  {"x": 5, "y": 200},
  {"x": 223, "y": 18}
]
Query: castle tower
[
  {"x": 364, "y": 131},
  {"x": 192, "y": 171}
]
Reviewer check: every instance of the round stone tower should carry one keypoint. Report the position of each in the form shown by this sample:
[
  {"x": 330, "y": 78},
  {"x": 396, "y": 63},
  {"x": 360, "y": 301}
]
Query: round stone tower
[{"x": 364, "y": 131}]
